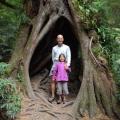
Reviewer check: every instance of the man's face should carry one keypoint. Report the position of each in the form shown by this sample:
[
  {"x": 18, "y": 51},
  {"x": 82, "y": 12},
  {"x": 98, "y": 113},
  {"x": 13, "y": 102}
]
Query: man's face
[{"x": 60, "y": 39}]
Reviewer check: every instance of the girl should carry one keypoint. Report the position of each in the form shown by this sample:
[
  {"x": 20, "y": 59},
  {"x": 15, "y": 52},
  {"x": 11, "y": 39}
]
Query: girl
[{"x": 60, "y": 73}]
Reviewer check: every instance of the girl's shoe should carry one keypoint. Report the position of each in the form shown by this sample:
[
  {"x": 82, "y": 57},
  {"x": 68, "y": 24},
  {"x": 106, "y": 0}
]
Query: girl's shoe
[
  {"x": 63, "y": 102},
  {"x": 63, "y": 99},
  {"x": 59, "y": 100}
]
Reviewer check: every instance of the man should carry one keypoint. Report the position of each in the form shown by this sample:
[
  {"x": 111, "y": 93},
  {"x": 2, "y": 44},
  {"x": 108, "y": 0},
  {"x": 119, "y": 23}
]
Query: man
[{"x": 60, "y": 48}]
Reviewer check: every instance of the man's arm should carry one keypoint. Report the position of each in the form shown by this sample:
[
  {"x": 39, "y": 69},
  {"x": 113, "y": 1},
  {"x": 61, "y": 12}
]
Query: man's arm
[
  {"x": 55, "y": 72},
  {"x": 53, "y": 55},
  {"x": 68, "y": 56}
]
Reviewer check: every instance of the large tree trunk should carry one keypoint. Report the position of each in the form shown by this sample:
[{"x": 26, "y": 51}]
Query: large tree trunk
[{"x": 97, "y": 91}]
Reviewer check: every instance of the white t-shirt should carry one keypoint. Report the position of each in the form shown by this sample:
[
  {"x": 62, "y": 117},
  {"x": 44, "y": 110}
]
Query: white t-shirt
[{"x": 64, "y": 49}]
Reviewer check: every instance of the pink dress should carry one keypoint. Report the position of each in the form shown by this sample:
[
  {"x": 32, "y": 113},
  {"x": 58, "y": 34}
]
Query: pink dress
[{"x": 60, "y": 73}]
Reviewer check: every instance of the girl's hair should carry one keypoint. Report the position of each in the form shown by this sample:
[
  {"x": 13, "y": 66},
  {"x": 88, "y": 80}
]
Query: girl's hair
[{"x": 63, "y": 56}]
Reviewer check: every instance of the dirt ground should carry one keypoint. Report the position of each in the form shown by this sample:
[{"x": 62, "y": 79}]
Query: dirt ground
[{"x": 41, "y": 109}]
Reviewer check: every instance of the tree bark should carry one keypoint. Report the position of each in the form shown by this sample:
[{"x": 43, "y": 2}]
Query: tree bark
[{"x": 97, "y": 89}]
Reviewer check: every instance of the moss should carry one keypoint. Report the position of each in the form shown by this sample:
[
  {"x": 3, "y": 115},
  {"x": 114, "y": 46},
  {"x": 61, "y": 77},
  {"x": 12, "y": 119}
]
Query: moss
[{"x": 20, "y": 74}]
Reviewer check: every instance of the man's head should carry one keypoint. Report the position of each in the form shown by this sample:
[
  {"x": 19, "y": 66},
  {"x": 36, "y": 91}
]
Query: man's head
[{"x": 60, "y": 39}]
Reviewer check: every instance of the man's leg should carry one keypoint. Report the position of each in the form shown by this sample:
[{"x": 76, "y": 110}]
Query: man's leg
[
  {"x": 53, "y": 88},
  {"x": 52, "y": 84}
]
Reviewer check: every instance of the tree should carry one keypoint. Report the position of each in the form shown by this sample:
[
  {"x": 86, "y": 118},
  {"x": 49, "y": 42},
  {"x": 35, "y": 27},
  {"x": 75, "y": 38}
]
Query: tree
[{"x": 50, "y": 17}]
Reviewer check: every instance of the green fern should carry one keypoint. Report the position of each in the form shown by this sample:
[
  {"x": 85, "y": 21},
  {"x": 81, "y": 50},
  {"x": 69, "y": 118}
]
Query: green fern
[{"x": 10, "y": 100}]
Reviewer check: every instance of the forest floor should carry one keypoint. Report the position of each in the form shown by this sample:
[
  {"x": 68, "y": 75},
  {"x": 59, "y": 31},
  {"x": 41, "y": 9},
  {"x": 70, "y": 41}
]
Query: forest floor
[{"x": 41, "y": 109}]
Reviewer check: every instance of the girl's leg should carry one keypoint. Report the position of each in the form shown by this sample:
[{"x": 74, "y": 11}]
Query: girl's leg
[
  {"x": 59, "y": 92},
  {"x": 65, "y": 91}
]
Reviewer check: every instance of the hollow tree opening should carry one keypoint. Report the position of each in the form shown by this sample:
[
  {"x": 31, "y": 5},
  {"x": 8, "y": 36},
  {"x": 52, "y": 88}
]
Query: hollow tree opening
[
  {"x": 42, "y": 56},
  {"x": 97, "y": 88}
]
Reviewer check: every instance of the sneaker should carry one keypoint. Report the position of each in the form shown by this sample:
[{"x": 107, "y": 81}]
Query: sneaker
[
  {"x": 64, "y": 100},
  {"x": 59, "y": 101},
  {"x": 51, "y": 99}
]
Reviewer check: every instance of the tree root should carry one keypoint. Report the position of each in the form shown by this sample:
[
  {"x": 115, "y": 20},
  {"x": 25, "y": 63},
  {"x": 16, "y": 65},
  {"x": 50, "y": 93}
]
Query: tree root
[
  {"x": 67, "y": 104},
  {"x": 70, "y": 115},
  {"x": 44, "y": 100},
  {"x": 44, "y": 105},
  {"x": 38, "y": 82},
  {"x": 43, "y": 88},
  {"x": 49, "y": 112},
  {"x": 53, "y": 114},
  {"x": 43, "y": 82},
  {"x": 31, "y": 105},
  {"x": 29, "y": 109},
  {"x": 24, "y": 114},
  {"x": 43, "y": 110}
]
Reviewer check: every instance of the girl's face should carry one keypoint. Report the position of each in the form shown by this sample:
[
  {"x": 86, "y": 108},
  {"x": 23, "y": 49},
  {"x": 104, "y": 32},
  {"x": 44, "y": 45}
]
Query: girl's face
[{"x": 62, "y": 58}]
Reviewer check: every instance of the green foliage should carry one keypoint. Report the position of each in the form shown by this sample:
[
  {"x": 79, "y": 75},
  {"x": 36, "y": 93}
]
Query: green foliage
[
  {"x": 103, "y": 16},
  {"x": 95, "y": 13},
  {"x": 98, "y": 50},
  {"x": 10, "y": 21},
  {"x": 10, "y": 101},
  {"x": 4, "y": 69},
  {"x": 110, "y": 40},
  {"x": 116, "y": 71},
  {"x": 17, "y": 3}
]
